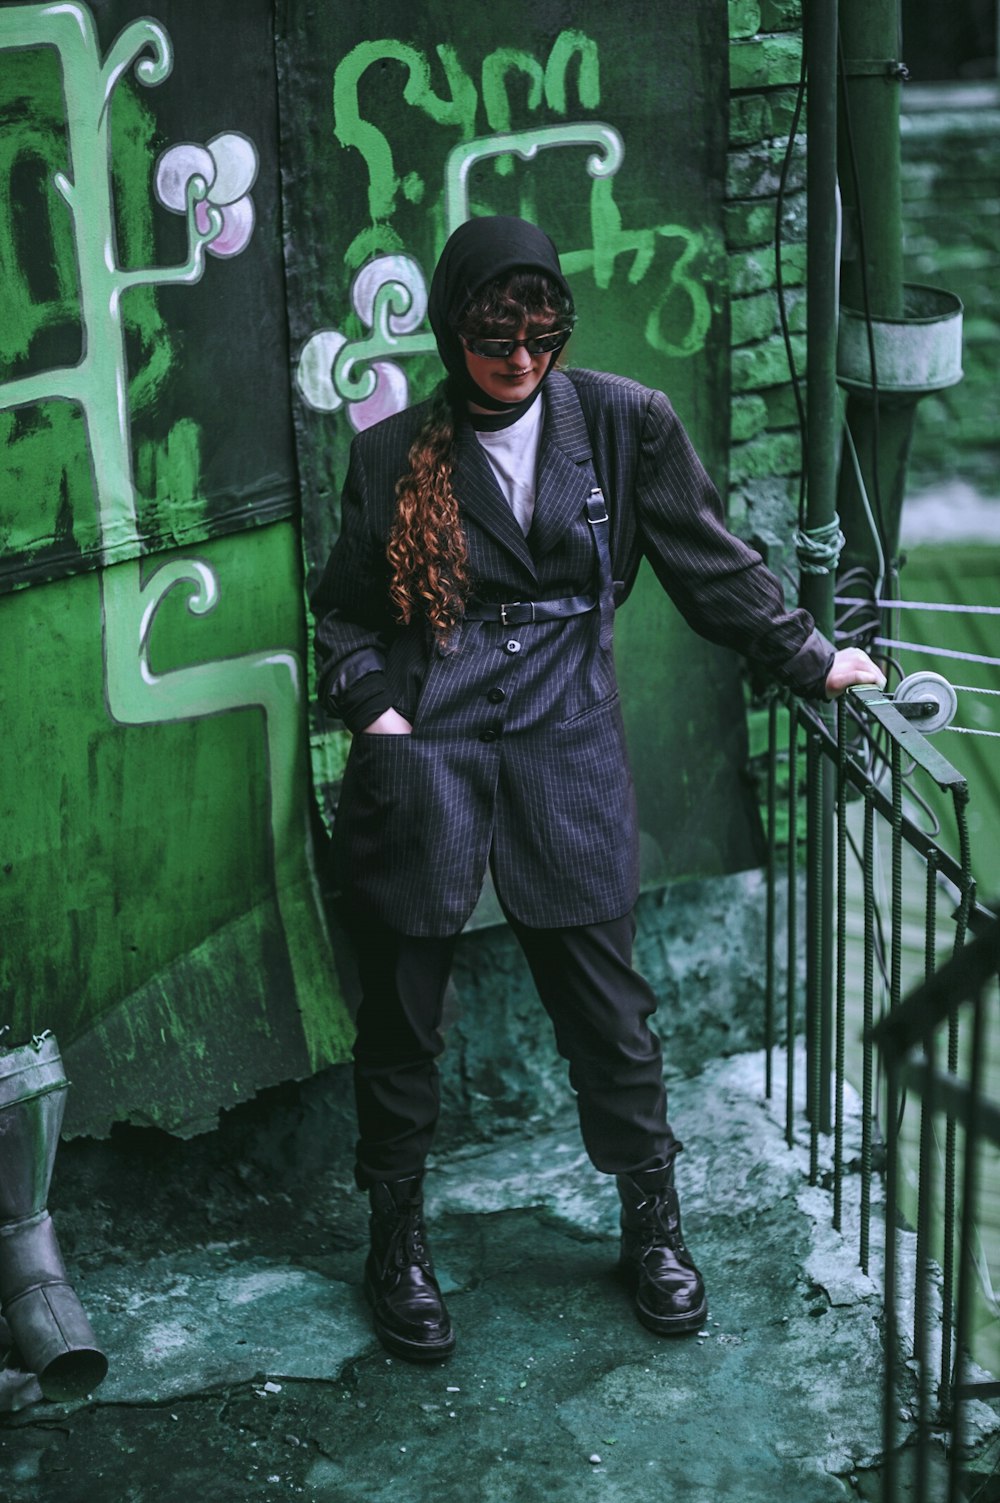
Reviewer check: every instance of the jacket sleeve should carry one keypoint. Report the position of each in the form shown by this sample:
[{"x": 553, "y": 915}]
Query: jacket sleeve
[
  {"x": 720, "y": 584},
  {"x": 351, "y": 609}
]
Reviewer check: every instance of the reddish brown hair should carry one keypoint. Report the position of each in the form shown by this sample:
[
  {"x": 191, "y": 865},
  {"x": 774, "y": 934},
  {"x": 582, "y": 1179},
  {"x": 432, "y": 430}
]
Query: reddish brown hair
[{"x": 427, "y": 550}]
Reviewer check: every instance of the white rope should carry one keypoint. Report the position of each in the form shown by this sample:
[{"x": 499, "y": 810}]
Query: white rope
[
  {"x": 876, "y": 537},
  {"x": 920, "y": 605},
  {"x": 939, "y": 652},
  {"x": 965, "y": 730}
]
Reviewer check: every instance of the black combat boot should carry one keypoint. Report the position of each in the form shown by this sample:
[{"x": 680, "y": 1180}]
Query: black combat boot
[
  {"x": 410, "y": 1316},
  {"x": 669, "y": 1293}
]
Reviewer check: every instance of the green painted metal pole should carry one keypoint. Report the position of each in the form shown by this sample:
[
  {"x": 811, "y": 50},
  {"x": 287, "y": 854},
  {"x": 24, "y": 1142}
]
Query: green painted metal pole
[
  {"x": 817, "y": 560},
  {"x": 872, "y": 272},
  {"x": 869, "y": 32},
  {"x": 820, "y": 39}
]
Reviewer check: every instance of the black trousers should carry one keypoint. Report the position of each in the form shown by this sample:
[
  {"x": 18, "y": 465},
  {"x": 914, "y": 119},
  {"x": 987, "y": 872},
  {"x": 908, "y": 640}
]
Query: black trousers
[{"x": 599, "y": 1006}]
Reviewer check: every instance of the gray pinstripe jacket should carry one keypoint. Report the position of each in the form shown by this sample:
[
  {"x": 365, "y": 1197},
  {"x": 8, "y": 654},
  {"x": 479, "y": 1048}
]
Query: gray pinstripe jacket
[{"x": 518, "y": 752}]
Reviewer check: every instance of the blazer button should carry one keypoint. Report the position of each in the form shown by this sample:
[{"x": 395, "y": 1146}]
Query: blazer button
[
  {"x": 489, "y": 735},
  {"x": 496, "y": 696},
  {"x": 512, "y": 646}
]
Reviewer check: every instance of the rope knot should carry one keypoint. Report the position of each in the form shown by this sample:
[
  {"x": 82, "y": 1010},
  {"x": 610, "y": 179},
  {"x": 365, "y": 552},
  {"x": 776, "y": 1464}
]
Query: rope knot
[{"x": 818, "y": 548}]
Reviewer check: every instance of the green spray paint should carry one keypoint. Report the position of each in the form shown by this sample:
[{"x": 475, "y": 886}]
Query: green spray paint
[
  {"x": 48, "y": 447},
  {"x": 335, "y": 368},
  {"x": 34, "y": 142},
  {"x": 98, "y": 385},
  {"x": 495, "y": 98},
  {"x": 351, "y": 129}
]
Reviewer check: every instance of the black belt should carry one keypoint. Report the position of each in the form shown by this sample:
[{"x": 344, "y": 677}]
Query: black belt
[{"x": 520, "y": 612}]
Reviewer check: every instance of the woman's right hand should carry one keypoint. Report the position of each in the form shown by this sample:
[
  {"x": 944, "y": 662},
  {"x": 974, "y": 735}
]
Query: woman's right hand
[{"x": 389, "y": 723}]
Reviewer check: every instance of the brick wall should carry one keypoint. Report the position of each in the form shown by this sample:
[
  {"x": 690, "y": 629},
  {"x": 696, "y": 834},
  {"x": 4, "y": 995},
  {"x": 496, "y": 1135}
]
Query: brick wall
[
  {"x": 765, "y": 55},
  {"x": 950, "y": 150}
]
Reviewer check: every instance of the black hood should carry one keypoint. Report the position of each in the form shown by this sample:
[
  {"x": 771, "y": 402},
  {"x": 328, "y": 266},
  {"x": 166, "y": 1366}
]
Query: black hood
[{"x": 476, "y": 253}]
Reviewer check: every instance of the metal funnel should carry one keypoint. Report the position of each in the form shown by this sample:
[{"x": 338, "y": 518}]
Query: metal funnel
[{"x": 51, "y": 1333}]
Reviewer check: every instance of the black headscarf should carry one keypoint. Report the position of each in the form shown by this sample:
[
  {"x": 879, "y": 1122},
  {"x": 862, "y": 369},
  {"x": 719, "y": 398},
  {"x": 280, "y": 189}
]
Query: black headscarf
[{"x": 476, "y": 253}]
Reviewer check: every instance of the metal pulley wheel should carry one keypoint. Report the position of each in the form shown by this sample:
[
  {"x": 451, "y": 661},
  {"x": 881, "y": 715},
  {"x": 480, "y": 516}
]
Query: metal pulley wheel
[{"x": 928, "y": 688}]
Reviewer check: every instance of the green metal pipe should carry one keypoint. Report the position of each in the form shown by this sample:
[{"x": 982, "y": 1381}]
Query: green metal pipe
[
  {"x": 869, "y": 120},
  {"x": 817, "y": 587},
  {"x": 820, "y": 41},
  {"x": 872, "y": 272}
]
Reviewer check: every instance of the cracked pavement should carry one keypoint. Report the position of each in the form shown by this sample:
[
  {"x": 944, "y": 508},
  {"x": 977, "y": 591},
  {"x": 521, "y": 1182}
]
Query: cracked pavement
[{"x": 243, "y": 1364}]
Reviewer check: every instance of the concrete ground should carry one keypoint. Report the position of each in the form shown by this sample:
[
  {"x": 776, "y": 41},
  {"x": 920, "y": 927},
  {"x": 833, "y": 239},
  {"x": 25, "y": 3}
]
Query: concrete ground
[{"x": 243, "y": 1365}]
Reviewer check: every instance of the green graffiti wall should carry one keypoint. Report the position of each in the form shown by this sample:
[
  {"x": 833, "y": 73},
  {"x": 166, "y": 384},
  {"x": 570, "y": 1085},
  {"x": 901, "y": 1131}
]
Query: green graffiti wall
[
  {"x": 160, "y": 908},
  {"x": 217, "y": 226}
]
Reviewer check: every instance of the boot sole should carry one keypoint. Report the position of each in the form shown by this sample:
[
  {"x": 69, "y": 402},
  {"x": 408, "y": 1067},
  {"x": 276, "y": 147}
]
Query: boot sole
[
  {"x": 673, "y": 1325},
  {"x": 663, "y": 1325},
  {"x": 414, "y": 1351},
  {"x": 411, "y": 1351}
]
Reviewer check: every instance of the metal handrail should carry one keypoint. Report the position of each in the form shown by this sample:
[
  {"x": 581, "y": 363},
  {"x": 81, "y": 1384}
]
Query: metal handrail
[{"x": 906, "y": 1036}]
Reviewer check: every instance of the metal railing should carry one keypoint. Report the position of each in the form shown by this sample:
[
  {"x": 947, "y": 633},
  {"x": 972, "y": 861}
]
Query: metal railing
[{"x": 845, "y": 765}]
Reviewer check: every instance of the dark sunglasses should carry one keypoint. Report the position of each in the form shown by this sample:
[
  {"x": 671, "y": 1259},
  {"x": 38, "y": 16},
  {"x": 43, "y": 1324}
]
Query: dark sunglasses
[{"x": 501, "y": 349}]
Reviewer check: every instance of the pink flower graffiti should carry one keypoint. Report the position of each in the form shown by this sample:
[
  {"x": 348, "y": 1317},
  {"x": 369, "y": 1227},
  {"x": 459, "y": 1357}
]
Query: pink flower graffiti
[{"x": 228, "y": 166}]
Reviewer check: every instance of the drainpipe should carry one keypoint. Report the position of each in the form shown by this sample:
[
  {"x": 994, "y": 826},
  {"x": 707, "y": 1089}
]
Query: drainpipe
[
  {"x": 897, "y": 341},
  {"x": 817, "y": 543},
  {"x": 872, "y": 273},
  {"x": 887, "y": 343}
]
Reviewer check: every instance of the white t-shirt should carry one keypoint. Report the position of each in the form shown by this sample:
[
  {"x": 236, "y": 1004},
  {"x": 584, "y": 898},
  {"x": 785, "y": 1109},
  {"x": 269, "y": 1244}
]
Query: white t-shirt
[{"x": 513, "y": 454}]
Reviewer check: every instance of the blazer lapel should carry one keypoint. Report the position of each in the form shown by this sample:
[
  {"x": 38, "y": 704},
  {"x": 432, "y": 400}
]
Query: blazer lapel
[
  {"x": 480, "y": 496},
  {"x": 564, "y": 475}
]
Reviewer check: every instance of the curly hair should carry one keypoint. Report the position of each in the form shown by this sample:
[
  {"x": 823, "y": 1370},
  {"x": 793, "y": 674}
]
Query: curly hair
[{"x": 427, "y": 550}]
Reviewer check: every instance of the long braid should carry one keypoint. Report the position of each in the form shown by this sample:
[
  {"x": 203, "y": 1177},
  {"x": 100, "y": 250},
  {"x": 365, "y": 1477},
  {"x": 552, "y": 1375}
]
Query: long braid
[{"x": 427, "y": 549}]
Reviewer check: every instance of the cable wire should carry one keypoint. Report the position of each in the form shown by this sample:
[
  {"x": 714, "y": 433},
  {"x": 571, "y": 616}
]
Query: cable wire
[
  {"x": 780, "y": 284},
  {"x": 944, "y": 652},
  {"x": 872, "y": 523},
  {"x": 920, "y": 605},
  {"x": 865, "y": 291}
]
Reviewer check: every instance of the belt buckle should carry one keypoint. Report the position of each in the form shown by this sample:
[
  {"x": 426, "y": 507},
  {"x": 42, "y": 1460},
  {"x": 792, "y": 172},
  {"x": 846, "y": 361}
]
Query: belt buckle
[
  {"x": 596, "y": 492},
  {"x": 504, "y": 609}
]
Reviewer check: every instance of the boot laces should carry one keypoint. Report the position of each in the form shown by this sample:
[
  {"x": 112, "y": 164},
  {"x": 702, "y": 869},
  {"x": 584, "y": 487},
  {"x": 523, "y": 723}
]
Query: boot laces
[
  {"x": 660, "y": 1226},
  {"x": 408, "y": 1245}
]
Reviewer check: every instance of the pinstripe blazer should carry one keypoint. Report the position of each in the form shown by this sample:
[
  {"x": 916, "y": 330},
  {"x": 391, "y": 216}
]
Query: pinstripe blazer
[{"x": 518, "y": 753}]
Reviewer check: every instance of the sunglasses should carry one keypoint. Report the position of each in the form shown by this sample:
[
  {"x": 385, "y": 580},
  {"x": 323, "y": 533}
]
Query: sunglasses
[{"x": 501, "y": 349}]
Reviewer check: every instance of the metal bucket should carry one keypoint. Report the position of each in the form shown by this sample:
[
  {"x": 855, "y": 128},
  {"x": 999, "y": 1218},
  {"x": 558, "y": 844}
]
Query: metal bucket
[{"x": 920, "y": 352}]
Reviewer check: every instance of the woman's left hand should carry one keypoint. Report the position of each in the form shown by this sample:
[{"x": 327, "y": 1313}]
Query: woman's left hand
[{"x": 852, "y": 665}]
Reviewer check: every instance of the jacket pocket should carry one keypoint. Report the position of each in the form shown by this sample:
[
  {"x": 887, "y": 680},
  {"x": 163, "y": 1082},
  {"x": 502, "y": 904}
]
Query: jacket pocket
[{"x": 589, "y": 713}]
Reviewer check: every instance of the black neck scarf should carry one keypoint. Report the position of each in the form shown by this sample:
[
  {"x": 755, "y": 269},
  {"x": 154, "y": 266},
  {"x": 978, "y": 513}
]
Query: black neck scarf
[{"x": 476, "y": 253}]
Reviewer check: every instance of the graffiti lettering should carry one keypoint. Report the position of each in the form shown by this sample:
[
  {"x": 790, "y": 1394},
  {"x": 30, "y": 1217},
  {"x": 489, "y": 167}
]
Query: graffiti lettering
[
  {"x": 611, "y": 240},
  {"x": 459, "y": 111},
  {"x": 567, "y": 45},
  {"x": 496, "y": 67},
  {"x": 602, "y": 163},
  {"x": 334, "y": 369}
]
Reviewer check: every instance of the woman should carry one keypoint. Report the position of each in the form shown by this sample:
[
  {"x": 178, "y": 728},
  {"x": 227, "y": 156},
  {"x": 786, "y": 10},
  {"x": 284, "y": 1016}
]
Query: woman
[{"x": 464, "y": 626}]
